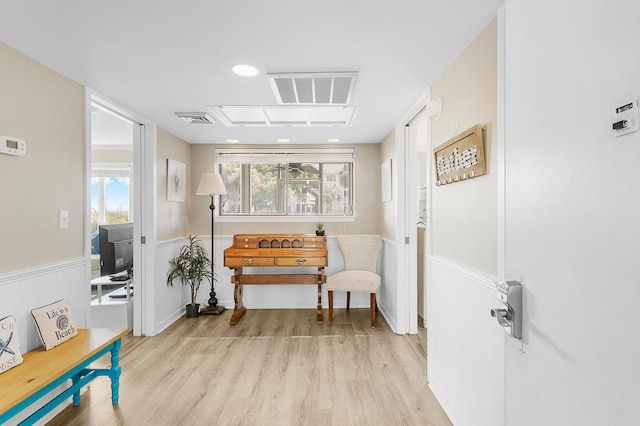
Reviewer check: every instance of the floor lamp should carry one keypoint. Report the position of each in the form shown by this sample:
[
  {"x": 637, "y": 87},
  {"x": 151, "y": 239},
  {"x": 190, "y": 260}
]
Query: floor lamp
[{"x": 211, "y": 184}]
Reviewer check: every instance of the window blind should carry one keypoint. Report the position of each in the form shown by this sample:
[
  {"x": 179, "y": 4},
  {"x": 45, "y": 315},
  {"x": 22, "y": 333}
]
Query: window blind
[{"x": 277, "y": 156}]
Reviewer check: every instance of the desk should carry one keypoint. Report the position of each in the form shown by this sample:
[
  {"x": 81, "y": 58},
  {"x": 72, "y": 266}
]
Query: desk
[
  {"x": 100, "y": 281},
  {"x": 275, "y": 250}
]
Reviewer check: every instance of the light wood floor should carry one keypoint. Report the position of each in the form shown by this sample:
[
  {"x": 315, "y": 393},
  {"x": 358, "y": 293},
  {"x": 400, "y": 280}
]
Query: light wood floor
[{"x": 275, "y": 367}]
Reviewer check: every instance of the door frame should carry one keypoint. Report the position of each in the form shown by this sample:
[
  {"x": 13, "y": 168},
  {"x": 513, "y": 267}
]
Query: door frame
[
  {"x": 501, "y": 166},
  {"x": 144, "y": 189},
  {"x": 406, "y": 205}
]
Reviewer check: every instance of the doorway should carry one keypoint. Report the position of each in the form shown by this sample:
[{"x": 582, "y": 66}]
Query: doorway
[
  {"x": 120, "y": 172},
  {"x": 112, "y": 217},
  {"x": 415, "y": 207}
]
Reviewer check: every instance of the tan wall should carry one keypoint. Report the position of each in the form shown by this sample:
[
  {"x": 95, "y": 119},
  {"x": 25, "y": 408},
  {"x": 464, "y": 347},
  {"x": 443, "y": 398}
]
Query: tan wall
[
  {"x": 465, "y": 214},
  {"x": 172, "y": 217},
  {"x": 367, "y": 198},
  {"x": 367, "y": 192},
  {"x": 47, "y": 111},
  {"x": 112, "y": 156},
  {"x": 388, "y": 208}
]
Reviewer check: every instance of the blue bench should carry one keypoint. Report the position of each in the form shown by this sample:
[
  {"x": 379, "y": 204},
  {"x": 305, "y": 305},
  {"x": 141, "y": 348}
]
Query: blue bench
[{"x": 45, "y": 371}]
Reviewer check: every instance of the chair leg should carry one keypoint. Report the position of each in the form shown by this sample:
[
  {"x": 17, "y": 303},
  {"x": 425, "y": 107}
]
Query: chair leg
[
  {"x": 348, "y": 299},
  {"x": 372, "y": 309},
  {"x": 330, "y": 295}
]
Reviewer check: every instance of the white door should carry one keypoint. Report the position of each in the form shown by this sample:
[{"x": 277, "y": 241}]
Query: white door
[{"x": 572, "y": 213}]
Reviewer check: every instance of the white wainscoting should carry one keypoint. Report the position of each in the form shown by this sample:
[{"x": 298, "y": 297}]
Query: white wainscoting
[
  {"x": 172, "y": 299},
  {"x": 388, "y": 293},
  {"x": 22, "y": 291},
  {"x": 465, "y": 345}
]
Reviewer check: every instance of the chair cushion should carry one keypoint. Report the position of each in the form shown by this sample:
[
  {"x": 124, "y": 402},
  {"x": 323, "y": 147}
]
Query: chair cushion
[
  {"x": 360, "y": 251},
  {"x": 354, "y": 280}
]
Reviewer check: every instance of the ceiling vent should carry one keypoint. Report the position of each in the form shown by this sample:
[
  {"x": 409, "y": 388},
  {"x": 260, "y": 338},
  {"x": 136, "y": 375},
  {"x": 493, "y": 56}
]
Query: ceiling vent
[
  {"x": 196, "y": 117},
  {"x": 283, "y": 115},
  {"x": 324, "y": 88}
]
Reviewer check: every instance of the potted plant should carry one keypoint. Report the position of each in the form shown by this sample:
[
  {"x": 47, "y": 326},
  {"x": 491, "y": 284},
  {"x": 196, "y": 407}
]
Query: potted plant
[
  {"x": 320, "y": 229},
  {"x": 191, "y": 266}
]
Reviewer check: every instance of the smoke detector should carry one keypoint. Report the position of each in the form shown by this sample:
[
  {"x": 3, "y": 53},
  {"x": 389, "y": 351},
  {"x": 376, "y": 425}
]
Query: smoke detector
[{"x": 196, "y": 117}]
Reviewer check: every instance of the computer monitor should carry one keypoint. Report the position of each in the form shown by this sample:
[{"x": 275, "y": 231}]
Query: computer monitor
[{"x": 116, "y": 248}]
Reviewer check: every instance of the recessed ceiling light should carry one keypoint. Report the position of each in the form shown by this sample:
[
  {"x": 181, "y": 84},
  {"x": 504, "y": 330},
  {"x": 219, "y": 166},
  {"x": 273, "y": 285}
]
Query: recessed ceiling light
[
  {"x": 245, "y": 70},
  {"x": 283, "y": 140},
  {"x": 233, "y": 140},
  {"x": 333, "y": 140}
]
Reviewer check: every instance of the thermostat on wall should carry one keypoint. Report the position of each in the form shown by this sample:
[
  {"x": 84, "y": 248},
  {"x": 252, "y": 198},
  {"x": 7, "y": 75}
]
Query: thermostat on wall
[{"x": 12, "y": 146}]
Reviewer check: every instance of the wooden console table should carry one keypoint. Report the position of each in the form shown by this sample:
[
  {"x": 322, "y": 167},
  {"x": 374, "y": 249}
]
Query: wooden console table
[{"x": 275, "y": 250}]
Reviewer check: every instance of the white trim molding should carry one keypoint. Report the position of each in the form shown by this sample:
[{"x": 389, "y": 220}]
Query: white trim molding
[{"x": 25, "y": 274}]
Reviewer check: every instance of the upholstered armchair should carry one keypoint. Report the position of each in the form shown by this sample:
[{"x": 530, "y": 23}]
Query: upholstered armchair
[{"x": 360, "y": 254}]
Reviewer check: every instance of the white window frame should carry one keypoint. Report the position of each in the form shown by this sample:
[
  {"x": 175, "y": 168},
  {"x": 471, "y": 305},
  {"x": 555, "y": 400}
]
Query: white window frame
[
  {"x": 278, "y": 156},
  {"x": 102, "y": 171}
]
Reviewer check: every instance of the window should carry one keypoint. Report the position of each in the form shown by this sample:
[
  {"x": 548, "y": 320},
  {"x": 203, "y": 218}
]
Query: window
[
  {"x": 287, "y": 183},
  {"x": 110, "y": 194}
]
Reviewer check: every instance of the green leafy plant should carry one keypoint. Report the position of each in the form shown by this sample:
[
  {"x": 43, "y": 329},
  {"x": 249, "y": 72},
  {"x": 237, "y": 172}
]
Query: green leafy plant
[
  {"x": 191, "y": 266},
  {"x": 320, "y": 226}
]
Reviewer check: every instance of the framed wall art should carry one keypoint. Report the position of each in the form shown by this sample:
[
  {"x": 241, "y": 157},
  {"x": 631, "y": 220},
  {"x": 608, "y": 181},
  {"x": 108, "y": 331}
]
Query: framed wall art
[{"x": 176, "y": 180}]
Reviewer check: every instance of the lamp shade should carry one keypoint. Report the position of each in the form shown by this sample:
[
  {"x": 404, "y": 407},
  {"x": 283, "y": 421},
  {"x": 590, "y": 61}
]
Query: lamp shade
[{"x": 211, "y": 183}]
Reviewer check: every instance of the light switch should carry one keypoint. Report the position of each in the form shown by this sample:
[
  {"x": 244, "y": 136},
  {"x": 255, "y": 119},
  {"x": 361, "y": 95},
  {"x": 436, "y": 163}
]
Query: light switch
[{"x": 63, "y": 219}]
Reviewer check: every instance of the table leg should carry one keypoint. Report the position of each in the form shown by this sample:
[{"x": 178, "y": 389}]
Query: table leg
[
  {"x": 238, "y": 308},
  {"x": 319, "y": 316},
  {"x": 76, "y": 395},
  {"x": 321, "y": 279},
  {"x": 114, "y": 372}
]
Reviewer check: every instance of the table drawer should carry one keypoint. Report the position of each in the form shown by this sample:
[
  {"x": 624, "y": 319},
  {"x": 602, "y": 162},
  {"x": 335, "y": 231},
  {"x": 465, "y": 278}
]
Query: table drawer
[
  {"x": 314, "y": 242},
  {"x": 300, "y": 261},
  {"x": 239, "y": 262},
  {"x": 245, "y": 242}
]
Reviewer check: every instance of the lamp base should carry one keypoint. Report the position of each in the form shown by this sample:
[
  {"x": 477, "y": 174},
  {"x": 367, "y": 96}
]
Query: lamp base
[{"x": 217, "y": 310}]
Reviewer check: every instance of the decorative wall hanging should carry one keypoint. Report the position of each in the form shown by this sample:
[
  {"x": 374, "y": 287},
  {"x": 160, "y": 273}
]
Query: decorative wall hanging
[
  {"x": 461, "y": 157},
  {"x": 176, "y": 180}
]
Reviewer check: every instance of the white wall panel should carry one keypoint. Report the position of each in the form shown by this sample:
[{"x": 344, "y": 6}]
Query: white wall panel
[
  {"x": 170, "y": 300},
  {"x": 465, "y": 345},
  {"x": 22, "y": 291},
  {"x": 388, "y": 293}
]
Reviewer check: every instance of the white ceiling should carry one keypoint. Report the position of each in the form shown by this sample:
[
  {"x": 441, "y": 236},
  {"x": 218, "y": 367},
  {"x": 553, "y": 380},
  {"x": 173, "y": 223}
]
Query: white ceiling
[
  {"x": 109, "y": 132},
  {"x": 157, "y": 57}
]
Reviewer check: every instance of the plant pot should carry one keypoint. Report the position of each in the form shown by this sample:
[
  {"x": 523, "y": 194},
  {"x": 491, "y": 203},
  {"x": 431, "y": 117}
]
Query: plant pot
[
  {"x": 320, "y": 233},
  {"x": 192, "y": 310}
]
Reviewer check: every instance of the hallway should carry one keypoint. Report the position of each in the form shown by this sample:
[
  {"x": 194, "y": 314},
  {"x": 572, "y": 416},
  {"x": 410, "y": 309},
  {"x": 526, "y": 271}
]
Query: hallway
[{"x": 276, "y": 367}]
